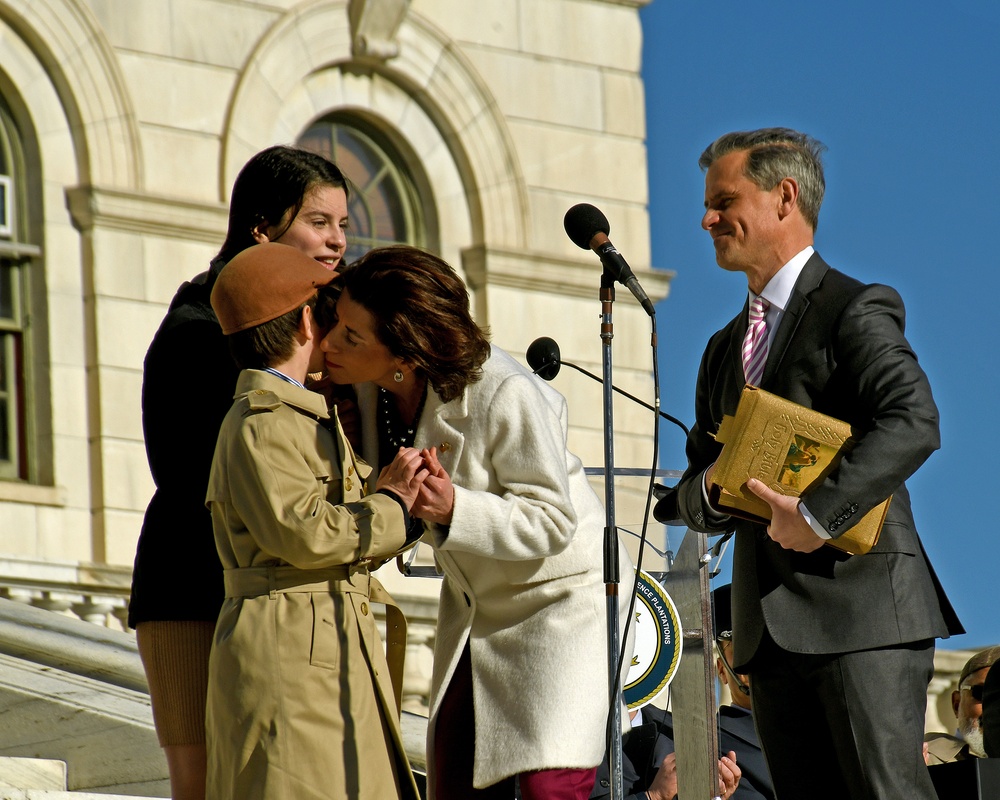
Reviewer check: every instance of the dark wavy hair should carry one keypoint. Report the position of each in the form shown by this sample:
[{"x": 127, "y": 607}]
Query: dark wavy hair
[
  {"x": 271, "y": 186},
  {"x": 421, "y": 311}
]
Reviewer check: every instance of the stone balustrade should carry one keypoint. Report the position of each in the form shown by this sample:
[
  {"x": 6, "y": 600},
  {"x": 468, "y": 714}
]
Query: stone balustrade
[{"x": 99, "y": 593}]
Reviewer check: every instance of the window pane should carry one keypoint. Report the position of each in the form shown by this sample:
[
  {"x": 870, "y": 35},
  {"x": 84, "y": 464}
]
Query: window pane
[
  {"x": 16, "y": 409},
  {"x": 317, "y": 140},
  {"x": 5, "y": 448},
  {"x": 7, "y": 300},
  {"x": 6, "y": 363},
  {"x": 358, "y": 158}
]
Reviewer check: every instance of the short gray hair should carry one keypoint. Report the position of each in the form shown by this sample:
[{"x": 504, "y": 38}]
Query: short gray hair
[{"x": 774, "y": 154}]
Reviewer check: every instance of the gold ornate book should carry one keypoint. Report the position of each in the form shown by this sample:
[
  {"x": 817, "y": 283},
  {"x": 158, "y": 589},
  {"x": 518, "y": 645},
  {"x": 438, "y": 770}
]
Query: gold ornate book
[{"x": 789, "y": 447}]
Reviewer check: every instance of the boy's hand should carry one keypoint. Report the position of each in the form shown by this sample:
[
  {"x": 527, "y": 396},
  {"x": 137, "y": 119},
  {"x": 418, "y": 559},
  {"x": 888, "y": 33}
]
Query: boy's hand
[{"x": 404, "y": 476}]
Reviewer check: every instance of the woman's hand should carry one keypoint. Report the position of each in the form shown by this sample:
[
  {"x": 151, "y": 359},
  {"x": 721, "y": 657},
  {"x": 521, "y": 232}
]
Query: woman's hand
[
  {"x": 436, "y": 498},
  {"x": 404, "y": 476}
]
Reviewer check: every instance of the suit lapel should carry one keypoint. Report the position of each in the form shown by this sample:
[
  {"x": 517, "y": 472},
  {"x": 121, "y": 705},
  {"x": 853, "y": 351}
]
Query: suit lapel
[{"x": 809, "y": 279}]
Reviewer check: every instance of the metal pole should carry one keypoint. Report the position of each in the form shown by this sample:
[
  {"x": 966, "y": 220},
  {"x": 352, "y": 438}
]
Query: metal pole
[{"x": 611, "y": 564}]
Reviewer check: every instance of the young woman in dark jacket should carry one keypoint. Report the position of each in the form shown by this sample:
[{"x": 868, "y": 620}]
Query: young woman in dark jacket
[{"x": 283, "y": 194}]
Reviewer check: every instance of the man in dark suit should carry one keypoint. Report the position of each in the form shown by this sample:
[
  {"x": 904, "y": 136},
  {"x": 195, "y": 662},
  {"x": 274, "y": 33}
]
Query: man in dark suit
[{"x": 839, "y": 648}]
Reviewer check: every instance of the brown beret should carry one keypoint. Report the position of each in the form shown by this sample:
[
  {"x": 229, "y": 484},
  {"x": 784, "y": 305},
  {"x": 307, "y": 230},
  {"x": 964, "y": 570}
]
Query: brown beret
[
  {"x": 981, "y": 660},
  {"x": 263, "y": 282}
]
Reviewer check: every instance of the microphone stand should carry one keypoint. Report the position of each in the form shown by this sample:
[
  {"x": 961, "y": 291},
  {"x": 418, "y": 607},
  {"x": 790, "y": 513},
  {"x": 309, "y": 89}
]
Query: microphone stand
[{"x": 612, "y": 567}]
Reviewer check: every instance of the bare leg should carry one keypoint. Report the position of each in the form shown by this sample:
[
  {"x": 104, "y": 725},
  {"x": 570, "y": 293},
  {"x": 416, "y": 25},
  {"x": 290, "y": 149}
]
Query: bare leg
[{"x": 187, "y": 765}]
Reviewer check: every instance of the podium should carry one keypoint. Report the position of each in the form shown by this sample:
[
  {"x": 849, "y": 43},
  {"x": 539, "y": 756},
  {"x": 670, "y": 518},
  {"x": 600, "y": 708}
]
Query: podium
[
  {"x": 693, "y": 702},
  {"x": 970, "y": 779}
]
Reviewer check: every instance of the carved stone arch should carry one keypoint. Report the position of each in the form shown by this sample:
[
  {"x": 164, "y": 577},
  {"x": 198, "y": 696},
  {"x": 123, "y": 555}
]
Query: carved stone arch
[
  {"x": 304, "y": 62},
  {"x": 81, "y": 66}
]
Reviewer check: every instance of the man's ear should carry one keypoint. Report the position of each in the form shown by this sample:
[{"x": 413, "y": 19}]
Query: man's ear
[
  {"x": 788, "y": 196},
  {"x": 723, "y": 675},
  {"x": 956, "y": 700}
]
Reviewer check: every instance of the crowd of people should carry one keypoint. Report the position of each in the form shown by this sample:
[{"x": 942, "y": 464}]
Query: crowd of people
[{"x": 347, "y": 410}]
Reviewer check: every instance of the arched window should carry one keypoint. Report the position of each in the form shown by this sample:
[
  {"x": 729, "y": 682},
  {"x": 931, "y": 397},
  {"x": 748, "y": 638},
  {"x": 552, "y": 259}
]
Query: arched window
[
  {"x": 384, "y": 206},
  {"x": 16, "y": 257}
]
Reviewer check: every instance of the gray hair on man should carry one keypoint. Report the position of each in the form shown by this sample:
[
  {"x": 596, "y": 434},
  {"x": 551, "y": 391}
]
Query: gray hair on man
[{"x": 774, "y": 154}]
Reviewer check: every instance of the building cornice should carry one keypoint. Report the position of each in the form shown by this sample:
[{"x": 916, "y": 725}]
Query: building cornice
[
  {"x": 543, "y": 273},
  {"x": 93, "y": 207}
]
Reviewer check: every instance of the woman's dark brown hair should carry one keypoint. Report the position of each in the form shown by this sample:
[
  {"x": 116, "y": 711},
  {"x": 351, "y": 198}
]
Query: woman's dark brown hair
[{"x": 421, "y": 311}]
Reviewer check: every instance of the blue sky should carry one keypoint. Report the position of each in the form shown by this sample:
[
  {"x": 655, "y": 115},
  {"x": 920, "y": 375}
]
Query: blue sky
[{"x": 906, "y": 98}]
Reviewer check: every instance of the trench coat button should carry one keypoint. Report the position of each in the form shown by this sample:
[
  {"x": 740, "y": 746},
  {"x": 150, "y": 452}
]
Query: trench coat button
[
  {"x": 348, "y": 484},
  {"x": 259, "y": 391},
  {"x": 350, "y": 470},
  {"x": 364, "y": 609}
]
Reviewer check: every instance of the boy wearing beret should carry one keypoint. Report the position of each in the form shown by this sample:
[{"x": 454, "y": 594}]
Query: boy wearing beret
[{"x": 300, "y": 702}]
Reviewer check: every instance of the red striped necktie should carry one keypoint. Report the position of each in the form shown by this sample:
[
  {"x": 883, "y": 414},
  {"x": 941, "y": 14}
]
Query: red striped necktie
[{"x": 755, "y": 342}]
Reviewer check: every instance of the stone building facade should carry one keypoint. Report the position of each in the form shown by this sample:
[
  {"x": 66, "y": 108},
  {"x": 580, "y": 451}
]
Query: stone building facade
[{"x": 468, "y": 128}]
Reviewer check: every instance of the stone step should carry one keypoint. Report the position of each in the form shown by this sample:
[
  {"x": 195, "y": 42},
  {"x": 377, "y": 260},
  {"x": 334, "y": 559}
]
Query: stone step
[
  {"x": 32, "y": 773},
  {"x": 103, "y": 732},
  {"x": 46, "y": 794}
]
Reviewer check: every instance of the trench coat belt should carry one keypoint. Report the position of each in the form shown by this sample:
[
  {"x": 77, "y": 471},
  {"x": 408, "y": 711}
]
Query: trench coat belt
[{"x": 273, "y": 581}]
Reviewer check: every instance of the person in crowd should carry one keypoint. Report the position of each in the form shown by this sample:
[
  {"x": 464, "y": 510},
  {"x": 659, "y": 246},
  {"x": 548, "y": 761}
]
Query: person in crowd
[
  {"x": 836, "y": 645},
  {"x": 653, "y": 770},
  {"x": 663, "y": 783},
  {"x": 282, "y": 194},
  {"x": 967, "y": 703},
  {"x": 520, "y": 676},
  {"x": 300, "y": 700},
  {"x": 736, "y": 726},
  {"x": 990, "y": 721}
]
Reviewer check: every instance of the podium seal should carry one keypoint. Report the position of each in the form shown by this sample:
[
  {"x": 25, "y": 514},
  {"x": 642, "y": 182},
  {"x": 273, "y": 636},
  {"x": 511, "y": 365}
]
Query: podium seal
[{"x": 658, "y": 639}]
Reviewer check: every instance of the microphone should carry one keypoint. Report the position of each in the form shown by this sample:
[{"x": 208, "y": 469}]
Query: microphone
[
  {"x": 589, "y": 229},
  {"x": 544, "y": 359}
]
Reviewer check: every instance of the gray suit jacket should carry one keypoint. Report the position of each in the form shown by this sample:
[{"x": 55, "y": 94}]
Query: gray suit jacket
[{"x": 840, "y": 348}]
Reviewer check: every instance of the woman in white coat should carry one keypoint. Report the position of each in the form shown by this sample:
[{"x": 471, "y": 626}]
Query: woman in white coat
[{"x": 520, "y": 681}]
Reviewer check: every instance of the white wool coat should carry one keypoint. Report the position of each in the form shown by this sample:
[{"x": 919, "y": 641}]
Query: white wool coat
[{"x": 523, "y": 572}]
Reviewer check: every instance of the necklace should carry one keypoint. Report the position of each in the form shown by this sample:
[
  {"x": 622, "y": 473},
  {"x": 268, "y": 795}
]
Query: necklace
[{"x": 397, "y": 433}]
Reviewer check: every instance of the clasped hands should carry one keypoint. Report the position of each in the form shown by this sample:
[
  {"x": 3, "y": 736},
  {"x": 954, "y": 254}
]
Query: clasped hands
[{"x": 421, "y": 483}]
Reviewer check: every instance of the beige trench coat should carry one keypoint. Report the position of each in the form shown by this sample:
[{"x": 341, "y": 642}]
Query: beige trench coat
[{"x": 300, "y": 702}]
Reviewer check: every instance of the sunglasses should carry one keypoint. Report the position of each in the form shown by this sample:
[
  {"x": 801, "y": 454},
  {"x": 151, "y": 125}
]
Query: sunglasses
[{"x": 976, "y": 691}]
